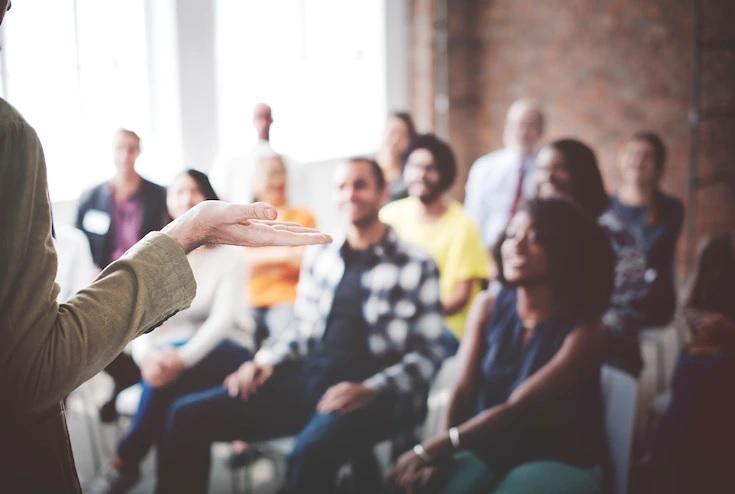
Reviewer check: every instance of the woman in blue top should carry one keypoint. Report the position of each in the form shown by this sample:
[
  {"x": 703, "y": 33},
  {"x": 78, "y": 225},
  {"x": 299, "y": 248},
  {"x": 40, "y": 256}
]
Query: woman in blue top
[
  {"x": 656, "y": 217},
  {"x": 525, "y": 414}
]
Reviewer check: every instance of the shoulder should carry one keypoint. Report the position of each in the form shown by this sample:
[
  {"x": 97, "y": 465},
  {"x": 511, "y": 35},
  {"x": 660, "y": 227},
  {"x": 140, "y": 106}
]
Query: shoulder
[
  {"x": 408, "y": 254},
  {"x": 11, "y": 119},
  {"x": 411, "y": 252},
  {"x": 586, "y": 338},
  {"x": 300, "y": 216},
  {"x": 671, "y": 204},
  {"x": 92, "y": 195},
  {"x": 619, "y": 234},
  {"x": 396, "y": 208},
  {"x": 490, "y": 159},
  {"x": 152, "y": 188},
  {"x": 460, "y": 220}
]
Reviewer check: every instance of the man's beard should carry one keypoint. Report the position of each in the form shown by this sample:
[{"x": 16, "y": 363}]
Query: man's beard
[{"x": 431, "y": 197}]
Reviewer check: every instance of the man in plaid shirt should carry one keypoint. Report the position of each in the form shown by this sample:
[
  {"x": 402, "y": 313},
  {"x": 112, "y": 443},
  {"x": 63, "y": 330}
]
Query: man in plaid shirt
[{"x": 355, "y": 368}]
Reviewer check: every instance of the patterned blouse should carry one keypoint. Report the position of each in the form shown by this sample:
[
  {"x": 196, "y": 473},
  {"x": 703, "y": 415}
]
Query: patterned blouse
[{"x": 625, "y": 315}]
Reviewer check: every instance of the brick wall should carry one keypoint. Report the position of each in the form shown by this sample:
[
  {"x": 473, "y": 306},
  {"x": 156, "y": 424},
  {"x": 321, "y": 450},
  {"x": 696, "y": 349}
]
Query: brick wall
[{"x": 602, "y": 70}]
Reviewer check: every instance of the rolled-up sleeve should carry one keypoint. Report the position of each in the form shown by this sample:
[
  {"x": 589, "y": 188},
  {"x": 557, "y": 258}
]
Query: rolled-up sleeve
[{"x": 47, "y": 349}]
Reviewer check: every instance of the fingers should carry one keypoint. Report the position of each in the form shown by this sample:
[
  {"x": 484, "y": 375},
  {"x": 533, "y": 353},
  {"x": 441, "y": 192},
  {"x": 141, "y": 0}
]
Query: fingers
[
  {"x": 255, "y": 211},
  {"x": 331, "y": 400},
  {"x": 232, "y": 386}
]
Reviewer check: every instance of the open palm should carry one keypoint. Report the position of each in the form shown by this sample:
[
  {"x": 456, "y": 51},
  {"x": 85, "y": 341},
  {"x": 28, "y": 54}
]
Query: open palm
[{"x": 250, "y": 225}]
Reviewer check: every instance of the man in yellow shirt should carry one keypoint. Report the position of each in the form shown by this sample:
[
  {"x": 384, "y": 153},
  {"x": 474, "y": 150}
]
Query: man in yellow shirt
[{"x": 431, "y": 219}]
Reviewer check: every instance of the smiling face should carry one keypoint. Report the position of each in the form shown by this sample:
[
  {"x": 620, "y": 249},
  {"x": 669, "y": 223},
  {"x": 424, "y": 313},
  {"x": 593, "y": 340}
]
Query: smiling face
[
  {"x": 359, "y": 197},
  {"x": 638, "y": 163},
  {"x": 551, "y": 176},
  {"x": 422, "y": 177},
  {"x": 524, "y": 258},
  {"x": 182, "y": 195}
]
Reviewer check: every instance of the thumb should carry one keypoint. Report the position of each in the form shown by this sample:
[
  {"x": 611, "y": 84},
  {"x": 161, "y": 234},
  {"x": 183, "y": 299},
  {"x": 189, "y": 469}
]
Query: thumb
[{"x": 254, "y": 211}]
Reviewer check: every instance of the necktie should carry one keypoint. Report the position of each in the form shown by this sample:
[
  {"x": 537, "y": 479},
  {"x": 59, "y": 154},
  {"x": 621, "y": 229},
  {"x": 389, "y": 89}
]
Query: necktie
[{"x": 519, "y": 189}]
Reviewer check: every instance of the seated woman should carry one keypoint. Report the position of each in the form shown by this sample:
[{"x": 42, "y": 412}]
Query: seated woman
[
  {"x": 193, "y": 350},
  {"x": 692, "y": 449},
  {"x": 274, "y": 271},
  {"x": 656, "y": 218},
  {"x": 398, "y": 140},
  {"x": 525, "y": 414},
  {"x": 568, "y": 168}
]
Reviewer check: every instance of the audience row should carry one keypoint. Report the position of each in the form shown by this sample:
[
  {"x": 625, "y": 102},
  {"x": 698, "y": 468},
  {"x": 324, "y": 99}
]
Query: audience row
[{"x": 534, "y": 283}]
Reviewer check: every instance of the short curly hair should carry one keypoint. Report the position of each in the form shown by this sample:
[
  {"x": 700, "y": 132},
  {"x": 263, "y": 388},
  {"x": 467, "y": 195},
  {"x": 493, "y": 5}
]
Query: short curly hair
[{"x": 443, "y": 157}]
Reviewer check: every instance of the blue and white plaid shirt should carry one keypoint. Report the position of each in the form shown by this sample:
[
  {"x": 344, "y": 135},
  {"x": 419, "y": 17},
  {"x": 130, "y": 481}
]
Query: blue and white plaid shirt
[{"x": 402, "y": 311}]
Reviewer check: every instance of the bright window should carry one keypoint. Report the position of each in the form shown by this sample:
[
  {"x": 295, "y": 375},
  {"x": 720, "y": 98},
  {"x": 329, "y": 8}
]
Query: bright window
[
  {"x": 79, "y": 69},
  {"x": 319, "y": 63},
  {"x": 76, "y": 70}
]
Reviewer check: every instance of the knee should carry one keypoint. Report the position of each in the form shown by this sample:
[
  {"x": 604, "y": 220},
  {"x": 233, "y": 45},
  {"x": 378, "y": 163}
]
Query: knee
[{"x": 314, "y": 441}]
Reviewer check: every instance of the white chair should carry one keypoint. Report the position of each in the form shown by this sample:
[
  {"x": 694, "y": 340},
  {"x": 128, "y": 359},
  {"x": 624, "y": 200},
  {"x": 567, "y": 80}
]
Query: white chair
[{"x": 619, "y": 399}]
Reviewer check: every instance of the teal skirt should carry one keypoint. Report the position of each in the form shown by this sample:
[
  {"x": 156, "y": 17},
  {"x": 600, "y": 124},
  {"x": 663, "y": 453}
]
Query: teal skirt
[{"x": 470, "y": 475}]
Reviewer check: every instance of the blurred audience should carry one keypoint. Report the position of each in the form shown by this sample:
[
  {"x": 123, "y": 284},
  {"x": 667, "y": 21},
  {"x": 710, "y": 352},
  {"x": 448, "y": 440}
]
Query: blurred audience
[
  {"x": 114, "y": 215},
  {"x": 692, "y": 449},
  {"x": 431, "y": 219},
  {"x": 398, "y": 140},
  {"x": 499, "y": 181},
  {"x": 354, "y": 368},
  {"x": 525, "y": 414},
  {"x": 568, "y": 168},
  {"x": 274, "y": 271},
  {"x": 193, "y": 350},
  {"x": 233, "y": 175},
  {"x": 656, "y": 217}
]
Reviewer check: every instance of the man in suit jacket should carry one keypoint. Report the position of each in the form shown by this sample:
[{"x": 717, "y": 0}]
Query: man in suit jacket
[{"x": 115, "y": 214}]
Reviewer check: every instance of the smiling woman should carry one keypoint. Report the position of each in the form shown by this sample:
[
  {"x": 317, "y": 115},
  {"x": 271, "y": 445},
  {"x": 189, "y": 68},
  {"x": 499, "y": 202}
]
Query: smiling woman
[{"x": 527, "y": 401}]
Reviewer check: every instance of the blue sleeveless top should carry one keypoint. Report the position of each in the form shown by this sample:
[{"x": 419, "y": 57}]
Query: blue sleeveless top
[{"x": 568, "y": 427}]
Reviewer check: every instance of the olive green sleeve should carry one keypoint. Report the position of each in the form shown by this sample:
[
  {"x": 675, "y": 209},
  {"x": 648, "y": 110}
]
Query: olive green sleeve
[{"x": 47, "y": 349}]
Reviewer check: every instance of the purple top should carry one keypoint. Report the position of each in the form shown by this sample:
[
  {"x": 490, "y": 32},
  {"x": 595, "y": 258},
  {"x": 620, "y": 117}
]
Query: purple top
[{"x": 126, "y": 222}]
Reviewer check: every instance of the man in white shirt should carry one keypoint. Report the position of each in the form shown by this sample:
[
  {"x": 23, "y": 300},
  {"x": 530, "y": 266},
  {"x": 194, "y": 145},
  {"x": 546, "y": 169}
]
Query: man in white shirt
[
  {"x": 233, "y": 177},
  {"x": 500, "y": 180}
]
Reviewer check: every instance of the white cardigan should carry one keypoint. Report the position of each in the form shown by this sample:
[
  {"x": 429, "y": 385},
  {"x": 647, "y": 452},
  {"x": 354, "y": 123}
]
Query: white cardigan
[{"x": 219, "y": 310}]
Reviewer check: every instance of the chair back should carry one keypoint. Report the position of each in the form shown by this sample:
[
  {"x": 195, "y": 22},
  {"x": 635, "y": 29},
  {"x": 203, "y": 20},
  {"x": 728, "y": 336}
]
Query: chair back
[{"x": 619, "y": 391}]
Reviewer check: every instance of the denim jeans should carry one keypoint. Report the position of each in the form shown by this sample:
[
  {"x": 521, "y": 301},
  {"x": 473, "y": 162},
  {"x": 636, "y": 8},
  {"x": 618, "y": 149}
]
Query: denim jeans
[
  {"x": 154, "y": 403},
  {"x": 284, "y": 406}
]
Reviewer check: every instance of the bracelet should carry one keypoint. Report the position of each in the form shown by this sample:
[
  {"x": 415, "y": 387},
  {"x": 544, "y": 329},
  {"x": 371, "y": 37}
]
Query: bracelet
[
  {"x": 420, "y": 451},
  {"x": 454, "y": 437}
]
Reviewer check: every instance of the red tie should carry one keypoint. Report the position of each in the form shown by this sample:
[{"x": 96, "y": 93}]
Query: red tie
[{"x": 519, "y": 190}]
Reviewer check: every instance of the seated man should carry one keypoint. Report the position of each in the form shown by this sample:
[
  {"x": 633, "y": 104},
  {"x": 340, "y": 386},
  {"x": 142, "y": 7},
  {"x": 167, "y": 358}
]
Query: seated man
[
  {"x": 431, "y": 219},
  {"x": 353, "y": 370}
]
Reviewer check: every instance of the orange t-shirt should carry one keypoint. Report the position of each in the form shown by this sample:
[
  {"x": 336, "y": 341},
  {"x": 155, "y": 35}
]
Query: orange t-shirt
[{"x": 273, "y": 282}]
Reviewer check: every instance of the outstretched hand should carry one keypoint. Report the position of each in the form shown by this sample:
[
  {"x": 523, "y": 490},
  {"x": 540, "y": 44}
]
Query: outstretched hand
[{"x": 250, "y": 225}]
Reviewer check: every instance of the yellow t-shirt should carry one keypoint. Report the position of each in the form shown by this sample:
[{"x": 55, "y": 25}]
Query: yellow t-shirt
[
  {"x": 275, "y": 283},
  {"x": 454, "y": 242}
]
